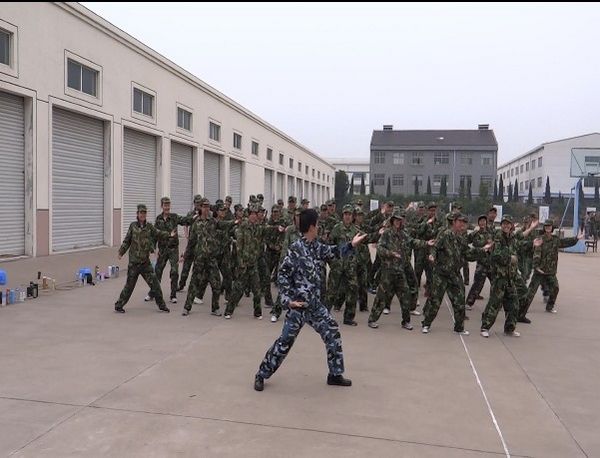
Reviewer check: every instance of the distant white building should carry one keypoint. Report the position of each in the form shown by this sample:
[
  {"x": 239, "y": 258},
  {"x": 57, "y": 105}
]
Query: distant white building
[
  {"x": 551, "y": 159},
  {"x": 354, "y": 167}
]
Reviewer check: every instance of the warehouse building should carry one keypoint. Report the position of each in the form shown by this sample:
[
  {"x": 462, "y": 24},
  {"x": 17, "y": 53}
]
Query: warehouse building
[{"x": 93, "y": 122}]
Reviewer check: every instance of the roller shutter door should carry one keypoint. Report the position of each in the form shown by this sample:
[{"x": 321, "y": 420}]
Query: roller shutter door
[
  {"x": 290, "y": 186},
  {"x": 306, "y": 195},
  {"x": 77, "y": 181},
  {"x": 299, "y": 189},
  {"x": 12, "y": 175},
  {"x": 139, "y": 175},
  {"x": 280, "y": 185},
  {"x": 212, "y": 177},
  {"x": 235, "y": 180},
  {"x": 268, "y": 189},
  {"x": 182, "y": 173}
]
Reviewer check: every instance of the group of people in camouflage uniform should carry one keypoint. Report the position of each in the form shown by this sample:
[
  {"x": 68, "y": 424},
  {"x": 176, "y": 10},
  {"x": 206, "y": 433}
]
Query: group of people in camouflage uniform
[{"x": 240, "y": 251}]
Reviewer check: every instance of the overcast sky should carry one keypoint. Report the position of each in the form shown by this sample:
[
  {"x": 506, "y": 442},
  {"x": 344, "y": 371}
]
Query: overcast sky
[{"x": 328, "y": 74}]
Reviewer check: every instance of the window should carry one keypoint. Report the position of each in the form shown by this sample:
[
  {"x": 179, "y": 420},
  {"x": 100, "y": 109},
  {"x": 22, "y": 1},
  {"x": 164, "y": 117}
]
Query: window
[
  {"x": 590, "y": 182},
  {"x": 4, "y": 47},
  {"x": 214, "y": 131},
  {"x": 465, "y": 181},
  {"x": 418, "y": 179},
  {"x": 299, "y": 166},
  {"x": 521, "y": 186},
  {"x": 512, "y": 172},
  {"x": 379, "y": 157},
  {"x": 539, "y": 161},
  {"x": 527, "y": 166},
  {"x": 532, "y": 184},
  {"x": 521, "y": 169},
  {"x": 526, "y": 185},
  {"x": 82, "y": 78},
  {"x": 397, "y": 180},
  {"x": 280, "y": 159},
  {"x": 486, "y": 159},
  {"x": 237, "y": 141},
  {"x": 539, "y": 182},
  {"x": 398, "y": 158},
  {"x": 313, "y": 173},
  {"x": 184, "y": 119},
  {"x": 306, "y": 169},
  {"x": 417, "y": 158},
  {"x": 441, "y": 158},
  {"x": 378, "y": 179},
  {"x": 466, "y": 159},
  {"x": 269, "y": 154},
  {"x": 486, "y": 180},
  {"x": 533, "y": 164},
  {"x": 437, "y": 180},
  {"x": 143, "y": 102},
  {"x": 255, "y": 148},
  {"x": 318, "y": 175},
  {"x": 291, "y": 163}
]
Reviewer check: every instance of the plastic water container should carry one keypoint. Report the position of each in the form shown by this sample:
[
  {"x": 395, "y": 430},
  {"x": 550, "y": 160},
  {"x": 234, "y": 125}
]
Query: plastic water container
[{"x": 2, "y": 277}]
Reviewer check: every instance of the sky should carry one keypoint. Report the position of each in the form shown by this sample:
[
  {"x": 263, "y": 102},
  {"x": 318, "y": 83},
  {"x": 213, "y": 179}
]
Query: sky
[{"x": 329, "y": 74}]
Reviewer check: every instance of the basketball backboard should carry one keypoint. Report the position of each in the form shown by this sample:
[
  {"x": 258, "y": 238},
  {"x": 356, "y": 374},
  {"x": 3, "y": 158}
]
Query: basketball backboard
[{"x": 585, "y": 162}]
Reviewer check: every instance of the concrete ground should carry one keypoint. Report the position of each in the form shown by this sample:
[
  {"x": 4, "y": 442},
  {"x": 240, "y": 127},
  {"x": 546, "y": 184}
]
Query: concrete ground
[{"x": 77, "y": 379}]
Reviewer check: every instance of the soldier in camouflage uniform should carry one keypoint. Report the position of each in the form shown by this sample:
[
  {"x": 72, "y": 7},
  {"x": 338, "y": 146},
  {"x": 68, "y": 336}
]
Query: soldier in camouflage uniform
[
  {"x": 264, "y": 275},
  {"x": 505, "y": 279},
  {"x": 342, "y": 278},
  {"x": 393, "y": 249},
  {"x": 168, "y": 250},
  {"x": 525, "y": 255},
  {"x": 250, "y": 244},
  {"x": 188, "y": 255},
  {"x": 140, "y": 241},
  {"x": 274, "y": 243},
  {"x": 448, "y": 254},
  {"x": 545, "y": 262},
  {"x": 205, "y": 247},
  {"x": 228, "y": 213},
  {"x": 479, "y": 238},
  {"x": 427, "y": 229},
  {"x": 290, "y": 211},
  {"x": 300, "y": 289},
  {"x": 377, "y": 221},
  {"x": 363, "y": 261},
  {"x": 305, "y": 203}
]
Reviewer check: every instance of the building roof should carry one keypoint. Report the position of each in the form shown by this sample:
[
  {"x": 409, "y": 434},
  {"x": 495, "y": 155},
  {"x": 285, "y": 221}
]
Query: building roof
[
  {"x": 348, "y": 161},
  {"x": 429, "y": 138}
]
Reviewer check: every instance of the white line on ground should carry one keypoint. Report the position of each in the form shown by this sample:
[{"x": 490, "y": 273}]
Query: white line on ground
[{"x": 487, "y": 402}]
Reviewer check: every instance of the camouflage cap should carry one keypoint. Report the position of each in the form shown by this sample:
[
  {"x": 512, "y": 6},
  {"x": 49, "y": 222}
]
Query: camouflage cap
[
  {"x": 253, "y": 209},
  {"x": 219, "y": 202},
  {"x": 507, "y": 218},
  {"x": 398, "y": 214},
  {"x": 359, "y": 202},
  {"x": 238, "y": 207},
  {"x": 421, "y": 205},
  {"x": 228, "y": 199},
  {"x": 330, "y": 202},
  {"x": 348, "y": 209},
  {"x": 292, "y": 199},
  {"x": 142, "y": 208},
  {"x": 261, "y": 209},
  {"x": 359, "y": 211},
  {"x": 260, "y": 197},
  {"x": 305, "y": 201},
  {"x": 431, "y": 205},
  {"x": 165, "y": 200},
  {"x": 480, "y": 217},
  {"x": 280, "y": 202},
  {"x": 220, "y": 207},
  {"x": 323, "y": 207},
  {"x": 197, "y": 198},
  {"x": 204, "y": 201},
  {"x": 390, "y": 203},
  {"x": 457, "y": 206},
  {"x": 493, "y": 209},
  {"x": 549, "y": 222},
  {"x": 460, "y": 217},
  {"x": 252, "y": 198},
  {"x": 275, "y": 208}
]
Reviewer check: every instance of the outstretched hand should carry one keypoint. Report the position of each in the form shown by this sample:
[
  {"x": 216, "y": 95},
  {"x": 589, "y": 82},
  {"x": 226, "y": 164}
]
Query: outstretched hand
[{"x": 358, "y": 238}]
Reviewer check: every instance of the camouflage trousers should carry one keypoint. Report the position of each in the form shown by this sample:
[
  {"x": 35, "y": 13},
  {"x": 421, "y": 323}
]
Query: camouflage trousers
[
  {"x": 224, "y": 265},
  {"x": 342, "y": 287},
  {"x": 246, "y": 277},
  {"x": 188, "y": 261},
  {"x": 412, "y": 291},
  {"x": 264, "y": 275},
  {"x": 549, "y": 283},
  {"x": 526, "y": 266},
  {"x": 503, "y": 293},
  {"x": 170, "y": 255},
  {"x": 321, "y": 321},
  {"x": 134, "y": 270},
  {"x": 422, "y": 265},
  {"x": 393, "y": 283},
  {"x": 362, "y": 277},
  {"x": 481, "y": 273},
  {"x": 205, "y": 271},
  {"x": 440, "y": 285},
  {"x": 273, "y": 257},
  {"x": 374, "y": 272},
  {"x": 466, "y": 272}
]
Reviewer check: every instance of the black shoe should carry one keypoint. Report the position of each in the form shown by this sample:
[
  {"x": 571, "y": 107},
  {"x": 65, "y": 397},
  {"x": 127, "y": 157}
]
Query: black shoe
[
  {"x": 119, "y": 310},
  {"x": 185, "y": 312},
  {"x": 524, "y": 320},
  {"x": 479, "y": 298},
  {"x": 467, "y": 318},
  {"x": 466, "y": 282},
  {"x": 180, "y": 288},
  {"x": 247, "y": 293},
  {"x": 338, "y": 380},
  {"x": 350, "y": 322},
  {"x": 164, "y": 309},
  {"x": 216, "y": 313},
  {"x": 268, "y": 306},
  {"x": 372, "y": 291},
  {"x": 259, "y": 383},
  {"x": 337, "y": 309},
  {"x": 364, "y": 309}
]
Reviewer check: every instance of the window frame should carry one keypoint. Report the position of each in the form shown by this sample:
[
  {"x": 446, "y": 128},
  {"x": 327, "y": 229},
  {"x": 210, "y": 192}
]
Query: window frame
[
  {"x": 269, "y": 154},
  {"x": 398, "y": 158},
  {"x": 213, "y": 122},
  {"x": 253, "y": 148},
  {"x": 418, "y": 155},
  {"x": 398, "y": 180},
  {"x": 12, "y": 68},
  {"x": 136, "y": 114},
  {"x": 441, "y": 158},
  {"x": 379, "y": 157},
  {"x": 188, "y": 110},
  {"x": 78, "y": 93},
  {"x": 236, "y": 135}
]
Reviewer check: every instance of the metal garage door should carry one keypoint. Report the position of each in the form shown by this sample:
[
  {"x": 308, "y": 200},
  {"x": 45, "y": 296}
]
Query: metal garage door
[
  {"x": 182, "y": 172},
  {"x": 12, "y": 175},
  {"x": 299, "y": 189},
  {"x": 290, "y": 186},
  {"x": 280, "y": 184},
  {"x": 268, "y": 189},
  {"x": 235, "y": 180},
  {"x": 313, "y": 194},
  {"x": 139, "y": 175},
  {"x": 212, "y": 176},
  {"x": 77, "y": 181},
  {"x": 306, "y": 194}
]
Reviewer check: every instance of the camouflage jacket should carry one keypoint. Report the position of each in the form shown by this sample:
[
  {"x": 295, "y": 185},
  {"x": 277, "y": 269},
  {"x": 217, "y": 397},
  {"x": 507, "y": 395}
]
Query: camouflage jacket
[
  {"x": 204, "y": 234},
  {"x": 299, "y": 275},
  {"x": 504, "y": 256},
  {"x": 545, "y": 257},
  {"x": 291, "y": 235},
  {"x": 479, "y": 238},
  {"x": 323, "y": 230},
  {"x": 250, "y": 242},
  {"x": 170, "y": 224},
  {"x": 274, "y": 239},
  {"x": 224, "y": 238},
  {"x": 140, "y": 241},
  {"x": 288, "y": 216},
  {"x": 341, "y": 235},
  {"x": 228, "y": 215},
  {"x": 450, "y": 251},
  {"x": 396, "y": 241},
  {"x": 362, "y": 251}
]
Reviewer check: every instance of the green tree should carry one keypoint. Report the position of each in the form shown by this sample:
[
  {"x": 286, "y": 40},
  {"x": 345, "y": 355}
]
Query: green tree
[
  {"x": 495, "y": 190},
  {"x": 530, "y": 196},
  {"x": 351, "y": 187},
  {"x": 469, "y": 196},
  {"x": 371, "y": 188},
  {"x": 362, "y": 185},
  {"x": 547, "y": 194},
  {"x": 510, "y": 192},
  {"x": 483, "y": 191},
  {"x": 416, "y": 185},
  {"x": 501, "y": 190},
  {"x": 388, "y": 192},
  {"x": 341, "y": 187},
  {"x": 428, "y": 187},
  {"x": 444, "y": 187},
  {"x": 597, "y": 193},
  {"x": 516, "y": 191}
]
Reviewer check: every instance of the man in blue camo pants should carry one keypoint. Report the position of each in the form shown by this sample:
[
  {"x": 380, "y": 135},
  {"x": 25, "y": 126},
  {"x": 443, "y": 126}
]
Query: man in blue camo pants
[{"x": 299, "y": 281}]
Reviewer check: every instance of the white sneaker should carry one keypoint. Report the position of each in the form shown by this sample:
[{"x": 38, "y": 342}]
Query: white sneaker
[
  {"x": 513, "y": 334},
  {"x": 464, "y": 332},
  {"x": 259, "y": 317},
  {"x": 418, "y": 304},
  {"x": 408, "y": 326},
  {"x": 373, "y": 324},
  {"x": 198, "y": 301},
  {"x": 173, "y": 300},
  {"x": 386, "y": 311},
  {"x": 485, "y": 333},
  {"x": 415, "y": 313},
  {"x": 273, "y": 319},
  {"x": 552, "y": 311},
  {"x": 148, "y": 299},
  {"x": 425, "y": 330},
  {"x": 228, "y": 317}
]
